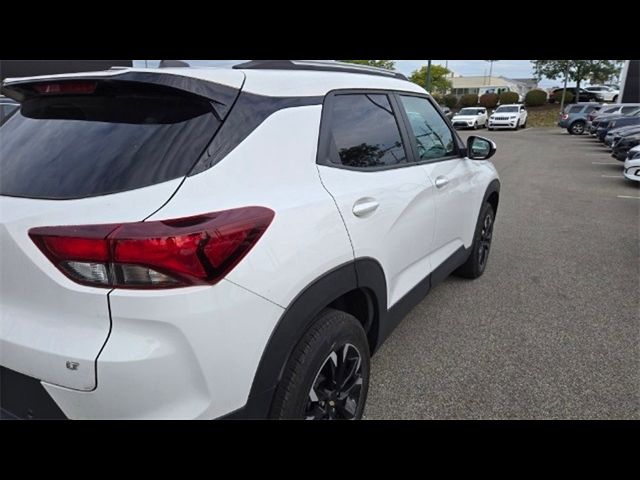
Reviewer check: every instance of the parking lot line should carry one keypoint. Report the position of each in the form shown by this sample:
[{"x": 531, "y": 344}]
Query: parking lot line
[
  {"x": 628, "y": 196},
  {"x": 612, "y": 176},
  {"x": 605, "y": 163}
]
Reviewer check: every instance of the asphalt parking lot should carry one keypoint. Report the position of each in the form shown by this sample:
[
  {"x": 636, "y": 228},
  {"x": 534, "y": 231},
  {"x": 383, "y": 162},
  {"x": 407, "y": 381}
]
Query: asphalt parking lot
[{"x": 552, "y": 329}]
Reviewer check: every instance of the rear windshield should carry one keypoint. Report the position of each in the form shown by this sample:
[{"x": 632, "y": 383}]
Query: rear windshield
[{"x": 77, "y": 146}]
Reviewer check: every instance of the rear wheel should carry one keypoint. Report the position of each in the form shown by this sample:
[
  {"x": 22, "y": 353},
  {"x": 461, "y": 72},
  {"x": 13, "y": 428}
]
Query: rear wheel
[
  {"x": 477, "y": 261},
  {"x": 615, "y": 99},
  {"x": 327, "y": 376},
  {"x": 577, "y": 128}
]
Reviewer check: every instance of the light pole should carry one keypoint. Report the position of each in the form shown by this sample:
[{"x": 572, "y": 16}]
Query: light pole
[
  {"x": 490, "y": 68},
  {"x": 566, "y": 74},
  {"x": 428, "y": 82}
]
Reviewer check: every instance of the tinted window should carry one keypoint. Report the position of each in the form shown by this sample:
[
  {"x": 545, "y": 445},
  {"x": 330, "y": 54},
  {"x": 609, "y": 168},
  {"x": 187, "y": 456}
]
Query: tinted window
[
  {"x": 433, "y": 136},
  {"x": 575, "y": 109},
  {"x": 80, "y": 146},
  {"x": 364, "y": 132},
  {"x": 592, "y": 108},
  {"x": 628, "y": 109}
]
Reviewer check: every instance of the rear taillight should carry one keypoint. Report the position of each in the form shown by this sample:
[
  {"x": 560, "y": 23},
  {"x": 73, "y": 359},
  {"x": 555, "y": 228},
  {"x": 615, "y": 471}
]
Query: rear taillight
[
  {"x": 565, "y": 116},
  {"x": 197, "y": 250}
]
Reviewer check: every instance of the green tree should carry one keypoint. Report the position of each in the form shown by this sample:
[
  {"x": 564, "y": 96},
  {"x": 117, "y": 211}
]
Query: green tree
[
  {"x": 439, "y": 80},
  {"x": 577, "y": 70},
  {"x": 388, "y": 64}
]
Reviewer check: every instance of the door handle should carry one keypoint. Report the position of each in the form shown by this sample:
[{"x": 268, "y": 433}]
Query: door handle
[
  {"x": 365, "y": 206},
  {"x": 441, "y": 182}
]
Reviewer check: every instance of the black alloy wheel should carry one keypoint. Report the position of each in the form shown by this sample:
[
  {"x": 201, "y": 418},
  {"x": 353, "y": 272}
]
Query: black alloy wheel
[
  {"x": 336, "y": 391},
  {"x": 484, "y": 243}
]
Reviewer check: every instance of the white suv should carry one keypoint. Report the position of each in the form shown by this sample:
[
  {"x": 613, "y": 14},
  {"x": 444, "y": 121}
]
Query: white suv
[
  {"x": 508, "y": 116},
  {"x": 604, "y": 93},
  {"x": 204, "y": 243},
  {"x": 475, "y": 118}
]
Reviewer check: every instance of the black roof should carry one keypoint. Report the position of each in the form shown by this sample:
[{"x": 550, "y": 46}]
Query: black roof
[{"x": 318, "y": 65}]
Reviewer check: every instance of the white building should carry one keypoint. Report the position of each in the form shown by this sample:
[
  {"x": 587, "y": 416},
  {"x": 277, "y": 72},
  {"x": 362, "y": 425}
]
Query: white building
[{"x": 482, "y": 84}]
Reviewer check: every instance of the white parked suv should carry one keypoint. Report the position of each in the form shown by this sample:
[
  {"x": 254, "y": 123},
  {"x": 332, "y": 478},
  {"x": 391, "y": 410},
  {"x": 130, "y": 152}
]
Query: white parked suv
[
  {"x": 604, "y": 93},
  {"x": 205, "y": 243},
  {"x": 475, "y": 118},
  {"x": 508, "y": 116}
]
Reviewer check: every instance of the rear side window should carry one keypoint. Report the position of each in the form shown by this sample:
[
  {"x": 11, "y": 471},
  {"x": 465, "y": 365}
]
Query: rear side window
[
  {"x": 628, "y": 109},
  {"x": 76, "y": 146},
  {"x": 575, "y": 109},
  {"x": 364, "y": 132},
  {"x": 592, "y": 109},
  {"x": 433, "y": 136}
]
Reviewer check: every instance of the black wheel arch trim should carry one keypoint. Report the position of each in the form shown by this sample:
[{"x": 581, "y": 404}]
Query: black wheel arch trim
[
  {"x": 298, "y": 318},
  {"x": 493, "y": 187}
]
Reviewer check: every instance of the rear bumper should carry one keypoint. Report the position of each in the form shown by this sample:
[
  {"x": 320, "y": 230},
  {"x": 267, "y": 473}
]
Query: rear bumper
[{"x": 183, "y": 354}]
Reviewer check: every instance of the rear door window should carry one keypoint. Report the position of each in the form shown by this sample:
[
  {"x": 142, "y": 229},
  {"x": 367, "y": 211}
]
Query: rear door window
[
  {"x": 364, "y": 132},
  {"x": 113, "y": 140}
]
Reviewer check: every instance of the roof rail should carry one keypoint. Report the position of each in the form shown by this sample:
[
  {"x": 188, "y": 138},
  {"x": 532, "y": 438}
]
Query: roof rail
[{"x": 319, "y": 65}]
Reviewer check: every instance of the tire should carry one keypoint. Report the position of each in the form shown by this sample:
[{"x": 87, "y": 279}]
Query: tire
[
  {"x": 524, "y": 125},
  {"x": 306, "y": 389},
  {"x": 615, "y": 99},
  {"x": 481, "y": 247},
  {"x": 576, "y": 128},
  {"x": 490, "y": 129},
  {"x": 517, "y": 125},
  {"x": 475, "y": 126}
]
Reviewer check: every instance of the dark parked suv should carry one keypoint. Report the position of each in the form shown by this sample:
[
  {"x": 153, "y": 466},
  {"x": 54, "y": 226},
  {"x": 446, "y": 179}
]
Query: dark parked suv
[
  {"x": 585, "y": 96},
  {"x": 574, "y": 118}
]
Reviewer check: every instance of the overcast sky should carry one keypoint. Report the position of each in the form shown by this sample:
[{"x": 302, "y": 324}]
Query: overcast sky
[{"x": 505, "y": 68}]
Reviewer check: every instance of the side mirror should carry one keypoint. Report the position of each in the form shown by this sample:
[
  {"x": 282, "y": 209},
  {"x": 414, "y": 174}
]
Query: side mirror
[{"x": 480, "y": 148}]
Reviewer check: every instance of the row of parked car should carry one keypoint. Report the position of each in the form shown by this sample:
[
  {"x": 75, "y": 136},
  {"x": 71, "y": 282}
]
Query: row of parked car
[
  {"x": 505, "y": 116},
  {"x": 617, "y": 126}
]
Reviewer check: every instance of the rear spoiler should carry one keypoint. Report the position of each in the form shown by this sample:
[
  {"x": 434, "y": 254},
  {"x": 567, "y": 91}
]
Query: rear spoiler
[{"x": 221, "y": 96}]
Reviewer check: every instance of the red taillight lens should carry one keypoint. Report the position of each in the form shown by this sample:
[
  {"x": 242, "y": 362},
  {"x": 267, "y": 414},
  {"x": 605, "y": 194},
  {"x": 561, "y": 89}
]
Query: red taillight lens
[
  {"x": 565, "y": 116},
  {"x": 161, "y": 254},
  {"x": 76, "y": 87}
]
